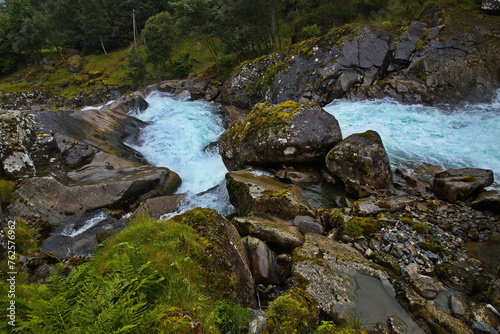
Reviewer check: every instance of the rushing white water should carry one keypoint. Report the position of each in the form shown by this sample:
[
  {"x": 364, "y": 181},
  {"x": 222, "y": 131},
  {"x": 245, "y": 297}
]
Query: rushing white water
[
  {"x": 176, "y": 137},
  {"x": 462, "y": 137}
]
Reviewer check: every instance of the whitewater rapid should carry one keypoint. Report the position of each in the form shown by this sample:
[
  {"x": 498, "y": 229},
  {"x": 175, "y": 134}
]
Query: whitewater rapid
[
  {"x": 468, "y": 136},
  {"x": 179, "y": 132}
]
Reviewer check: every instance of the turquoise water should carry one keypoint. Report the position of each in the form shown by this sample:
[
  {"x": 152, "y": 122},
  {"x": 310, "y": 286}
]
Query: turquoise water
[{"x": 451, "y": 138}]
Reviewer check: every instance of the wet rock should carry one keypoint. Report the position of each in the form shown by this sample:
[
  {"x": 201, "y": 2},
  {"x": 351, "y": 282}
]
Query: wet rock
[
  {"x": 201, "y": 87},
  {"x": 158, "y": 206},
  {"x": 287, "y": 133},
  {"x": 487, "y": 200},
  {"x": 361, "y": 162},
  {"x": 132, "y": 103},
  {"x": 263, "y": 195},
  {"x": 262, "y": 261},
  {"x": 91, "y": 188},
  {"x": 229, "y": 272},
  {"x": 280, "y": 237},
  {"x": 461, "y": 184}
]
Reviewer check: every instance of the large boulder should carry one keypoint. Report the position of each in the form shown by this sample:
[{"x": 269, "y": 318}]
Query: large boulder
[
  {"x": 132, "y": 103},
  {"x": 262, "y": 261},
  {"x": 265, "y": 196},
  {"x": 228, "y": 270},
  {"x": 286, "y": 133},
  {"x": 361, "y": 162},
  {"x": 95, "y": 186},
  {"x": 461, "y": 184}
]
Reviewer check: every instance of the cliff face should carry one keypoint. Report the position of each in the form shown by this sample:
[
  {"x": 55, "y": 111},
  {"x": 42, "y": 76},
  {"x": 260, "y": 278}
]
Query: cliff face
[{"x": 447, "y": 55}]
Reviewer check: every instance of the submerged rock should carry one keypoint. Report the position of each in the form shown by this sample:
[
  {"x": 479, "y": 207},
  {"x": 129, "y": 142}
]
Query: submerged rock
[
  {"x": 361, "y": 162},
  {"x": 273, "y": 135}
]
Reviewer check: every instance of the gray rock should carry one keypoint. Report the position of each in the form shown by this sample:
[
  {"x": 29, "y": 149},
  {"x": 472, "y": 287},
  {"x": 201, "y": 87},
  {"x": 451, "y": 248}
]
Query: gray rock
[
  {"x": 361, "y": 162},
  {"x": 132, "y": 103},
  {"x": 456, "y": 305},
  {"x": 273, "y": 135},
  {"x": 461, "y": 184},
  {"x": 158, "y": 206},
  {"x": 262, "y": 261},
  {"x": 280, "y": 237},
  {"x": 483, "y": 328},
  {"x": 307, "y": 224}
]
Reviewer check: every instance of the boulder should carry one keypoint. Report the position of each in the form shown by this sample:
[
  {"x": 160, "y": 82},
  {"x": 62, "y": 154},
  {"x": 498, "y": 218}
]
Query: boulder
[
  {"x": 373, "y": 206},
  {"x": 361, "y": 162},
  {"x": 487, "y": 200},
  {"x": 74, "y": 64},
  {"x": 93, "y": 187},
  {"x": 461, "y": 184},
  {"x": 200, "y": 87},
  {"x": 262, "y": 261},
  {"x": 158, "y": 206},
  {"x": 132, "y": 103},
  {"x": 25, "y": 147},
  {"x": 280, "y": 237},
  {"x": 228, "y": 271},
  {"x": 272, "y": 135},
  {"x": 263, "y": 195}
]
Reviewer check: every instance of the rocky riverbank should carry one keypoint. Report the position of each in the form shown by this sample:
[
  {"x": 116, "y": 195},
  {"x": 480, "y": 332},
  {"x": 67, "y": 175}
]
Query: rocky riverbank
[{"x": 413, "y": 235}]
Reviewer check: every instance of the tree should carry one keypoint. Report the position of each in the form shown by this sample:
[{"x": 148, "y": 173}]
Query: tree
[
  {"x": 8, "y": 58},
  {"x": 96, "y": 30},
  {"x": 159, "y": 34}
]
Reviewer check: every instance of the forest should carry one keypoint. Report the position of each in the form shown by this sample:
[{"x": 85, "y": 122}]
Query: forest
[{"x": 232, "y": 30}]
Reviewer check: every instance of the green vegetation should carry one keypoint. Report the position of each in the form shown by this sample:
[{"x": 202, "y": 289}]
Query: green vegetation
[
  {"x": 294, "y": 313},
  {"x": 147, "y": 279},
  {"x": 6, "y": 192},
  {"x": 360, "y": 226}
]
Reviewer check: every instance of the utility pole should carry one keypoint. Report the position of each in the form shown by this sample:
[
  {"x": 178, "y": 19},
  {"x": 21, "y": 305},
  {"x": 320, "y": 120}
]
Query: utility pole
[{"x": 134, "y": 27}]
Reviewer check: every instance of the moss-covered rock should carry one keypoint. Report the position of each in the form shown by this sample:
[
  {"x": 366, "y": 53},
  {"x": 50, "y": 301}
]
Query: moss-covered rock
[
  {"x": 226, "y": 270},
  {"x": 286, "y": 133},
  {"x": 254, "y": 194},
  {"x": 361, "y": 162},
  {"x": 295, "y": 312}
]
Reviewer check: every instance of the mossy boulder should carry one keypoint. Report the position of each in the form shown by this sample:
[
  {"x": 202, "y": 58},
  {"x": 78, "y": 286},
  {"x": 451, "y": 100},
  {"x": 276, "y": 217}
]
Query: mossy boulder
[
  {"x": 294, "y": 312},
  {"x": 74, "y": 64},
  {"x": 263, "y": 195},
  {"x": 461, "y": 184},
  {"x": 285, "y": 133},
  {"x": 227, "y": 270},
  {"x": 361, "y": 162}
]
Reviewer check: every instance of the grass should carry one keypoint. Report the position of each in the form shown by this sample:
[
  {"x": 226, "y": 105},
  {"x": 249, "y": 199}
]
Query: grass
[{"x": 153, "y": 268}]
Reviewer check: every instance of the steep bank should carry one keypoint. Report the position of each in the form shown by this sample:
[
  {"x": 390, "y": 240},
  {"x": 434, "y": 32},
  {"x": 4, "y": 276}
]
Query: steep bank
[{"x": 448, "y": 54}]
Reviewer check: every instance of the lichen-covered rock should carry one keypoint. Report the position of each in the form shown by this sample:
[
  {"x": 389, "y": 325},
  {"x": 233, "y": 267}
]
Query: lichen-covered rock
[
  {"x": 25, "y": 148},
  {"x": 461, "y": 184},
  {"x": 263, "y": 195},
  {"x": 93, "y": 187},
  {"x": 361, "y": 162},
  {"x": 280, "y": 237},
  {"x": 262, "y": 261},
  {"x": 287, "y": 133},
  {"x": 373, "y": 206},
  {"x": 227, "y": 272}
]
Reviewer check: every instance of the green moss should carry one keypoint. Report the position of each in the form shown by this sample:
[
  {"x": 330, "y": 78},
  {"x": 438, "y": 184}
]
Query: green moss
[
  {"x": 384, "y": 205},
  {"x": 361, "y": 226},
  {"x": 365, "y": 170},
  {"x": 432, "y": 247},
  {"x": 283, "y": 193},
  {"x": 295, "y": 312},
  {"x": 351, "y": 156},
  {"x": 367, "y": 135},
  {"x": 469, "y": 178},
  {"x": 7, "y": 192}
]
